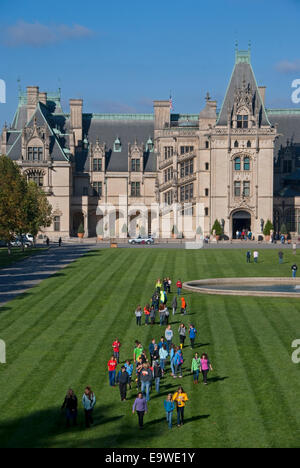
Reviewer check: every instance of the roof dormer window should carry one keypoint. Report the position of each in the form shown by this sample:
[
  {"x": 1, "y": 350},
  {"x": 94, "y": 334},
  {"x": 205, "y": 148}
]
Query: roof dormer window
[
  {"x": 117, "y": 146},
  {"x": 150, "y": 145},
  {"x": 242, "y": 121}
]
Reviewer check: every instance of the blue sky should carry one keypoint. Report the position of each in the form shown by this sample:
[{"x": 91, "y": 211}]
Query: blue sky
[{"x": 120, "y": 55}]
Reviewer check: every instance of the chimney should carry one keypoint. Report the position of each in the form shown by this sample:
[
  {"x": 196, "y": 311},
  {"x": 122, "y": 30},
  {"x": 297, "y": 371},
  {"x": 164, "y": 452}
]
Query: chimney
[
  {"x": 161, "y": 114},
  {"x": 76, "y": 119},
  {"x": 43, "y": 98},
  {"x": 262, "y": 92},
  {"x": 32, "y": 100}
]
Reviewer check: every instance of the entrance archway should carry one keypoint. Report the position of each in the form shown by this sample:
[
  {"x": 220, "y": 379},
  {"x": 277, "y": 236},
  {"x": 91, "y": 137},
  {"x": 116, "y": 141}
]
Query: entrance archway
[{"x": 241, "y": 221}]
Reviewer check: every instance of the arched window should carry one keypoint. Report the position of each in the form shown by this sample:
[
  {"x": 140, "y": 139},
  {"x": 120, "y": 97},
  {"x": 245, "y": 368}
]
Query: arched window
[
  {"x": 37, "y": 177},
  {"x": 236, "y": 144},
  {"x": 237, "y": 164},
  {"x": 149, "y": 145},
  {"x": 246, "y": 164},
  {"x": 248, "y": 144}
]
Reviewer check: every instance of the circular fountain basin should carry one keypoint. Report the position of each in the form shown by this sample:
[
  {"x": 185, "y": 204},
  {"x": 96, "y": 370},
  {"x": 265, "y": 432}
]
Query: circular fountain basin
[{"x": 268, "y": 287}]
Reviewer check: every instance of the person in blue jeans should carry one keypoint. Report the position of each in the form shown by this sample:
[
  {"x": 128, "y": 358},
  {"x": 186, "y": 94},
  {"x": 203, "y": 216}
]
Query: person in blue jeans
[
  {"x": 146, "y": 380},
  {"x": 294, "y": 270},
  {"x": 193, "y": 333},
  {"x": 169, "y": 407},
  {"x": 157, "y": 374}
]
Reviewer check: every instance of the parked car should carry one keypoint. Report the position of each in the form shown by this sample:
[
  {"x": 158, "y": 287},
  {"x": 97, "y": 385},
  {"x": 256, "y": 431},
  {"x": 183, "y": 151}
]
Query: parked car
[{"x": 141, "y": 240}]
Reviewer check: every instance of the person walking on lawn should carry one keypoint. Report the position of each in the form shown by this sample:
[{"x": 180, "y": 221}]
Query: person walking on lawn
[
  {"x": 157, "y": 375},
  {"x": 192, "y": 333},
  {"x": 158, "y": 286},
  {"x": 152, "y": 315},
  {"x": 169, "y": 335},
  {"x": 138, "y": 314},
  {"x": 112, "y": 365},
  {"x": 294, "y": 270},
  {"x": 255, "y": 256},
  {"x": 162, "y": 315},
  {"x": 163, "y": 354},
  {"x": 180, "y": 398},
  {"x": 174, "y": 305},
  {"x": 116, "y": 349},
  {"x": 196, "y": 368},
  {"x": 129, "y": 370},
  {"x": 280, "y": 256},
  {"x": 182, "y": 334},
  {"x": 146, "y": 380},
  {"x": 183, "y": 306},
  {"x": 70, "y": 404},
  {"x": 88, "y": 402},
  {"x": 205, "y": 367},
  {"x": 123, "y": 381},
  {"x": 179, "y": 287},
  {"x": 151, "y": 350},
  {"x": 248, "y": 256},
  {"x": 172, "y": 356},
  {"x": 147, "y": 314},
  {"x": 140, "y": 406},
  {"x": 169, "y": 408},
  {"x": 178, "y": 362},
  {"x": 138, "y": 350}
]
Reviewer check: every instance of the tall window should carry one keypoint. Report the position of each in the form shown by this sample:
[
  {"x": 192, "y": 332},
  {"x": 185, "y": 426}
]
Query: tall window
[
  {"x": 237, "y": 164},
  {"x": 35, "y": 153},
  {"x": 135, "y": 165},
  {"x": 97, "y": 189},
  {"x": 56, "y": 223},
  {"x": 186, "y": 192},
  {"x": 246, "y": 164},
  {"x": 246, "y": 188},
  {"x": 168, "y": 196},
  {"x": 287, "y": 166},
  {"x": 187, "y": 168},
  {"x": 97, "y": 165},
  {"x": 237, "y": 189},
  {"x": 242, "y": 121},
  {"x": 168, "y": 174},
  {"x": 135, "y": 189},
  {"x": 168, "y": 152}
]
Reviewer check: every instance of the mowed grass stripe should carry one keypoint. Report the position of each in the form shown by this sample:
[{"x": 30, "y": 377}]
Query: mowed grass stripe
[
  {"x": 259, "y": 375},
  {"x": 44, "y": 313},
  {"x": 237, "y": 389},
  {"x": 52, "y": 367}
]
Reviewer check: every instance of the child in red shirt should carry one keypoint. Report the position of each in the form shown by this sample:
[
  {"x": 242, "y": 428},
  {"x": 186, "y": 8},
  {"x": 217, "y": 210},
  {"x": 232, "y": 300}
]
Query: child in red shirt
[
  {"x": 112, "y": 365},
  {"x": 116, "y": 348}
]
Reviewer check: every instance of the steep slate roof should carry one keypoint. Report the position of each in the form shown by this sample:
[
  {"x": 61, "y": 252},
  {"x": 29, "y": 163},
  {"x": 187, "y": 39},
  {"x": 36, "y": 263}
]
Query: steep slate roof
[
  {"x": 128, "y": 129},
  {"x": 242, "y": 71},
  {"x": 288, "y": 122},
  {"x": 43, "y": 117}
]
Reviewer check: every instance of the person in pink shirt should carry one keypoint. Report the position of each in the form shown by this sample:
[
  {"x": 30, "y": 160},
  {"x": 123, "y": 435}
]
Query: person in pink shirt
[{"x": 205, "y": 367}]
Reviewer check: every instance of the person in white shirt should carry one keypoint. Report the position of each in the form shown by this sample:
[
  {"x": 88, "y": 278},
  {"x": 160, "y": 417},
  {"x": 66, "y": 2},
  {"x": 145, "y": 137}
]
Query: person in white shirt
[{"x": 255, "y": 256}]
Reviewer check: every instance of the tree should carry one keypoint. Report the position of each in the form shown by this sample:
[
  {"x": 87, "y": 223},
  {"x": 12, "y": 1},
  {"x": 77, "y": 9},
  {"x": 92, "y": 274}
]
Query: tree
[
  {"x": 37, "y": 210},
  {"x": 13, "y": 188},
  {"x": 268, "y": 228},
  {"x": 217, "y": 228},
  {"x": 23, "y": 205},
  {"x": 81, "y": 229}
]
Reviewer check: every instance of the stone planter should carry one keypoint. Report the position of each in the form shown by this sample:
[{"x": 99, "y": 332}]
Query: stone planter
[{"x": 80, "y": 235}]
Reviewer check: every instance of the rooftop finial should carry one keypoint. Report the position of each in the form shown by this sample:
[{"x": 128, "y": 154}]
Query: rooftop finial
[{"x": 207, "y": 97}]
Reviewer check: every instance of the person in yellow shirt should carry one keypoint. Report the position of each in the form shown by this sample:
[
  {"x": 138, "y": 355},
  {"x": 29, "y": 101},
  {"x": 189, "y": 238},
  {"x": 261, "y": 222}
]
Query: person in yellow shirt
[
  {"x": 180, "y": 397},
  {"x": 158, "y": 285}
]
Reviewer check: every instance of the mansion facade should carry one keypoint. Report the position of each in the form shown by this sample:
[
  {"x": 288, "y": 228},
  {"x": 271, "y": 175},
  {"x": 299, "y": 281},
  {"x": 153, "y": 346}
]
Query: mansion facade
[{"x": 128, "y": 173}]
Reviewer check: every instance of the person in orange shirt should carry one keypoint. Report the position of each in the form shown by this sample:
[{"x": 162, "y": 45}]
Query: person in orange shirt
[
  {"x": 147, "y": 314},
  {"x": 180, "y": 397},
  {"x": 183, "y": 306}
]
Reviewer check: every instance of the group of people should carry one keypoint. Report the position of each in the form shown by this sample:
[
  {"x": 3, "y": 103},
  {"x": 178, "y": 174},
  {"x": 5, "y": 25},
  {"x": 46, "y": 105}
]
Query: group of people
[
  {"x": 148, "y": 367},
  {"x": 244, "y": 234}
]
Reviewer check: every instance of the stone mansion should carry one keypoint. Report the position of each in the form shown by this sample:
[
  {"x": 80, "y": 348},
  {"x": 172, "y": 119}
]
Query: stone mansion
[{"x": 240, "y": 164}]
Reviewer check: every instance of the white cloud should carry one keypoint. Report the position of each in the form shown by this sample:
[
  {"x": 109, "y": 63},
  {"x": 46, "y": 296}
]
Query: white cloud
[
  {"x": 286, "y": 66},
  {"x": 38, "y": 35}
]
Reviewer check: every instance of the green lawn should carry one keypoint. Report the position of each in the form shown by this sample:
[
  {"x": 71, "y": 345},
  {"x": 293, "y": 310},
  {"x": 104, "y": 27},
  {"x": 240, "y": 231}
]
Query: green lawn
[
  {"x": 16, "y": 255},
  {"x": 60, "y": 333}
]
